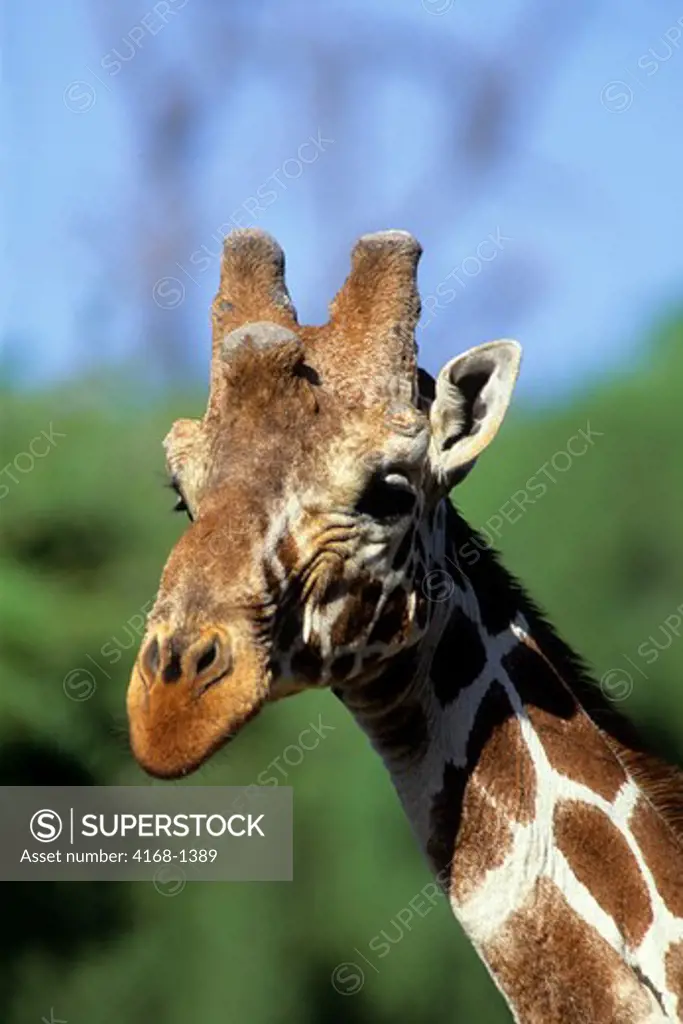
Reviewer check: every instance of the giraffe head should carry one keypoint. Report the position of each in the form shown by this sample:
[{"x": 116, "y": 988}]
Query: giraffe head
[{"x": 311, "y": 483}]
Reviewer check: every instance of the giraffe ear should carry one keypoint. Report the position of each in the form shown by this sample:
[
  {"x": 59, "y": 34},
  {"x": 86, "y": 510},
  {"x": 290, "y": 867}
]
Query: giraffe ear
[{"x": 473, "y": 392}]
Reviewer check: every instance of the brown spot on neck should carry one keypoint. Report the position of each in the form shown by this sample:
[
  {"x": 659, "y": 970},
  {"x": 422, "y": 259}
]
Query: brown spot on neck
[
  {"x": 554, "y": 968},
  {"x": 662, "y": 852},
  {"x": 572, "y": 742},
  {"x": 602, "y": 860},
  {"x": 674, "y": 973},
  {"x": 501, "y": 598},
  {"x": 504, "y": 767},
  {"x": 471, "y": 816}
]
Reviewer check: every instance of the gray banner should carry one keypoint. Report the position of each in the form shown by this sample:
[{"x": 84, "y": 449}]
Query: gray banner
[{"x": 164, "y": 834}]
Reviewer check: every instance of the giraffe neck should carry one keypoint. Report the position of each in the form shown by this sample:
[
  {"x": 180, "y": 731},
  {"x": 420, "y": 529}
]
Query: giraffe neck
[{"x": 545, "y": 820}]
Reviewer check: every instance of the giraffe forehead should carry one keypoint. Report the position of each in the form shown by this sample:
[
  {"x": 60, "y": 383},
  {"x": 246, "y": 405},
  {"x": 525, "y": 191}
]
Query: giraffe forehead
[
  {"x": 386, "y": 436},
  {"x": 270, "y": 415},
  {"x": 290, "y": 450}
]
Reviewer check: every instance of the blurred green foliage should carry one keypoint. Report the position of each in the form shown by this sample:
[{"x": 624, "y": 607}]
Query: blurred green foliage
[{"x": 85, "y": 532}]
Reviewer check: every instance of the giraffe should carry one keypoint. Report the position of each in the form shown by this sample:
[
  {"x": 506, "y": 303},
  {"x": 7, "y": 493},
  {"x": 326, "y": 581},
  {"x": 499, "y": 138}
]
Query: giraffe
[{"x": 323, "y": 551}]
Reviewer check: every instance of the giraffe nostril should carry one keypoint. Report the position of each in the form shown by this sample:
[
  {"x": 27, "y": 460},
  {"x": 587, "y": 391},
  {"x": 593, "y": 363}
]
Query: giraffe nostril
[
  {"x": 207, "y": 657},
  {"x": 171, "y": 659},
  {"x": 213, "y": 662},
  {"x": 151, "y": 657}
]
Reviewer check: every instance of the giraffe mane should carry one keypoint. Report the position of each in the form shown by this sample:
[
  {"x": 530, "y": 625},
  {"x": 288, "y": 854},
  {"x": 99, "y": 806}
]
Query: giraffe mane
[{"x": 660, "y": 783}]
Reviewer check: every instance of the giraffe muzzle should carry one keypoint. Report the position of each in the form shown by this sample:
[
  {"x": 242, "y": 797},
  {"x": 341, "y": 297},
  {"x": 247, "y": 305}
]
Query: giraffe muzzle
[{"x": 189, "y": 693}]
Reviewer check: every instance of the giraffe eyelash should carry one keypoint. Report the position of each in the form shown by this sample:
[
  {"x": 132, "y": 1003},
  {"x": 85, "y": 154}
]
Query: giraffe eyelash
[{"x": 181, "y": 504}]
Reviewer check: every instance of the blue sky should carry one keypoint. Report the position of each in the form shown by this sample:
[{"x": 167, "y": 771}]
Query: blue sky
[{"x": 591, "y": 214}]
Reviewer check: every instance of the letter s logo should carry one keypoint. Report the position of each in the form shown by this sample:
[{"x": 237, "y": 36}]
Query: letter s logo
[{"x": 46, "y": 826}]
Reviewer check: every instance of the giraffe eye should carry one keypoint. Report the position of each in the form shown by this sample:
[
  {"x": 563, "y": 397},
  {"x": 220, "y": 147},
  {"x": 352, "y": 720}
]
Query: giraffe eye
[
  {"x": 181, "y": 504},
  {"x": 386, "y": 497}
]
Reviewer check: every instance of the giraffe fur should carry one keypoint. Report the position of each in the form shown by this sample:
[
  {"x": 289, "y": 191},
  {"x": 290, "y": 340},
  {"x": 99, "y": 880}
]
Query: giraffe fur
[{"x": 324, "y": 551}]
